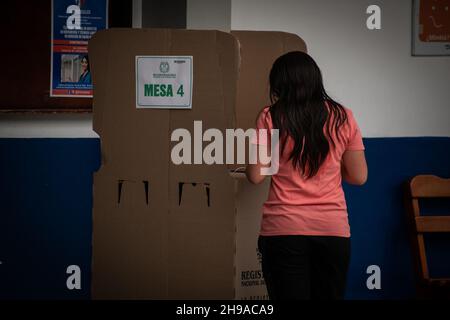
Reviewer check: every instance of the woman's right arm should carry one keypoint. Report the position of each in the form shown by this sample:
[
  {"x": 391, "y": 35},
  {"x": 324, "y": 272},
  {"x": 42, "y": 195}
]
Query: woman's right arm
[{"x": 354, "y": 167}]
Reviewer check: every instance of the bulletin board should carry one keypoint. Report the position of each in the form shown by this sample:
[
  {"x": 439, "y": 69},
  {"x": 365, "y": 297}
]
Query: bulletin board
[{"x": 25, "y": 80}]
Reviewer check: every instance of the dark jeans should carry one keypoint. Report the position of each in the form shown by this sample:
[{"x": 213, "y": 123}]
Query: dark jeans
[{"x": 304, "y": 267}]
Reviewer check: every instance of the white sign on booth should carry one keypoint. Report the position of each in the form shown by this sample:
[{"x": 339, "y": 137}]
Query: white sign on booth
[{"x": 164, "y": 82}]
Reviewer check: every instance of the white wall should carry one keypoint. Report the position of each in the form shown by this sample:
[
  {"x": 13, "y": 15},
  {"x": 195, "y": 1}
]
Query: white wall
[
  {"x": 208, "y": 14},
  {"x": 371, "y": 72},
  {"x": 61, "y": 125}
]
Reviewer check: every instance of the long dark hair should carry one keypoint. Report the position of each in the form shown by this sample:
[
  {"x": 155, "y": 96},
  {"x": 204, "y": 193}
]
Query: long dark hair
[{"x": 300, "y": 108}]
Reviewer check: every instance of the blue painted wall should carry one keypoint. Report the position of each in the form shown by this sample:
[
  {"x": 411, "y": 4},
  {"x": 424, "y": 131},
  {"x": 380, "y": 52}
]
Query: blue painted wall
[
  {"x": 46, "y": 221},
  {"x": 378, "y": 220},
  {"x": 46, "y": 224}
]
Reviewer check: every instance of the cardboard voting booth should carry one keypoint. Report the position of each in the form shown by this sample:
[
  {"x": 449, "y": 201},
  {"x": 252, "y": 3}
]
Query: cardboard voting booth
[
  {"x": 258, "y": 51},
  {"x": 176, "y": 231}
]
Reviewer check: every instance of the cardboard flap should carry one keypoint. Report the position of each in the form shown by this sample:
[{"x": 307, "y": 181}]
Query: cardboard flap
[
  {"x": 126, "y": 263},
  {"x": 258, "y": 50}
]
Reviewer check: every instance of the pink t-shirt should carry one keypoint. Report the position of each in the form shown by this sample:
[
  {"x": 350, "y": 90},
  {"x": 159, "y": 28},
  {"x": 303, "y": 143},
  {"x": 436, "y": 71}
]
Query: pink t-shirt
[{"x": 315, "y": 206}]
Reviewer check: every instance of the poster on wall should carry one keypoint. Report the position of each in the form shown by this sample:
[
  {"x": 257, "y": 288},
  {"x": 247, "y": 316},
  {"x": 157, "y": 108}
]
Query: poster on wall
[
  {"x": 73, "y": 24},
  {"x": 431, "y": 28}
]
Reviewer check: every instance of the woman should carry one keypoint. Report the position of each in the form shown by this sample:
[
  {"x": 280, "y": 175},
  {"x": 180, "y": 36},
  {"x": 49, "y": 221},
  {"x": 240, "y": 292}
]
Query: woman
[
  {"x": 85, "y": 76},
  {"x": 305, "y": 236}
]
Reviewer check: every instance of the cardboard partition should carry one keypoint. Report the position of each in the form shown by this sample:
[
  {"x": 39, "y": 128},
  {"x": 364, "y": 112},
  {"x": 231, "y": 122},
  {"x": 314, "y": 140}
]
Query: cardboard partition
[
  {"x": 166, "y": 231},
  {"x": 258, "y": 51},
  {"x": 160, "y": 230}
]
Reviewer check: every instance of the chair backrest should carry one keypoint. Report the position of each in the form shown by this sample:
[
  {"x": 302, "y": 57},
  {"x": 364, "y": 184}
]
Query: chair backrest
[{"x": 425, "y": 186}]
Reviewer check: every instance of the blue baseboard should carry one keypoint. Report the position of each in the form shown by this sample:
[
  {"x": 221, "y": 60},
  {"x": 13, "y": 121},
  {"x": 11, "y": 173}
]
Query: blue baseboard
[{"x": 46, "y": 220}]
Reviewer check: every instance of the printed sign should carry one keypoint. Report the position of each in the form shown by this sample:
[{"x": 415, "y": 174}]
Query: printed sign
[
  {"x": 164, "y": 82},
  {"x": 431, "y": 32},
  {"x": 73, "y": 24}
]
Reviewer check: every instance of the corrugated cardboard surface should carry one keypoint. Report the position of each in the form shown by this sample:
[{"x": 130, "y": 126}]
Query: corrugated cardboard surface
[
  {"x": 258, "y": 51},
  {"x": 250, "y": 283},
  {"x": 163, "y": 231},
  {"x": 164, "y": 238}
]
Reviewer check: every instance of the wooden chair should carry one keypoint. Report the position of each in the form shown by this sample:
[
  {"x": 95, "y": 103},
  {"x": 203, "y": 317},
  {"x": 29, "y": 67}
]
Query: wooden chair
[{"x": 426, "y": 186}]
